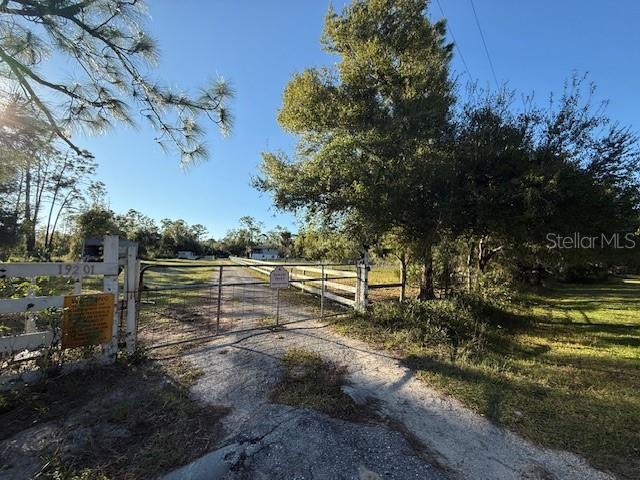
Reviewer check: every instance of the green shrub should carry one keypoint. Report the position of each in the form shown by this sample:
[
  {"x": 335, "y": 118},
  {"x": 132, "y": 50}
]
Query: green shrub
[
  {"x": 445, "y": 326},
  {"x": 585, "y": 273},
  {"x": 495, "y": 302}
]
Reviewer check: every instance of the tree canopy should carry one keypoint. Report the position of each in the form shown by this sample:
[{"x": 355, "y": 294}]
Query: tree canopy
[
  {"x": 110, "y": 57},
  {"x": 384, "y": 146},
  {"x": 370, "y": 132}
]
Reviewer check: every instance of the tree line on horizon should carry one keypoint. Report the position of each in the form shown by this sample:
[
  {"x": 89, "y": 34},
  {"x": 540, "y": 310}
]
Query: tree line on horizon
[{"x": 38, "y": 241}]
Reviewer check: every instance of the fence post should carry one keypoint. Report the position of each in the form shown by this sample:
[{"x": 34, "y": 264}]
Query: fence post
[
  {"x": 362, "y": 283},
  {"x": 77, "y": 285},
  {"x": 365, "y": 280},
  {"x": 132, "y": 294},
  {"x": 322, "y": 293},
  {"x": 29, "y": 319},
  {"x": 356, "y": 305},
  {"x": 219, "y": 301},
  {"x": 110, "y": 285}
]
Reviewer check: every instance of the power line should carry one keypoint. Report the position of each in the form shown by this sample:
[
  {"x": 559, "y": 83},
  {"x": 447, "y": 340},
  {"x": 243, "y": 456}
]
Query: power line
[
  {"x": 455, "y": 42},
  {"x": 486, "y": 50}
]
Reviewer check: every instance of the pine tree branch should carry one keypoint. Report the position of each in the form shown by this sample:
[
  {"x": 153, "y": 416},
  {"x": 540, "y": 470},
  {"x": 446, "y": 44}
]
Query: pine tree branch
[{"x": 34, "y": 96}]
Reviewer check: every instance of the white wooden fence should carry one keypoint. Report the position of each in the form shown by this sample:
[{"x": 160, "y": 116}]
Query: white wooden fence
[
  {"x": 113, "y": 259},
  {"x": 320, "y": 282}
]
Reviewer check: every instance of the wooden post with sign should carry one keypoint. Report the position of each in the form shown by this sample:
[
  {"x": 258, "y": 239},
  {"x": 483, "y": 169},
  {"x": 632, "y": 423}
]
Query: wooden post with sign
[
  {"x": 278, "y": 278},
  {"x": 110, "y": 285},
  {"x": 131, "y": 282},
  {"x": 87, "y": 319}
]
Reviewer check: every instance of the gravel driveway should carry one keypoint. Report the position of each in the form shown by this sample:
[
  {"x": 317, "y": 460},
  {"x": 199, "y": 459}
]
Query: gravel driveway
[{"x": 427, "y": 435}]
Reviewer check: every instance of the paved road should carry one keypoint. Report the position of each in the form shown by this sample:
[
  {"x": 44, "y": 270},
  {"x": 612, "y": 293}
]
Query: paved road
[{"x": 278, "y": 442}]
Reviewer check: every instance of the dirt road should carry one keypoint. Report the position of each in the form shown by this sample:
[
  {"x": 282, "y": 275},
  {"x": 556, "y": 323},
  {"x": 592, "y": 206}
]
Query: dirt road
[{"x": 275, "y": 441}]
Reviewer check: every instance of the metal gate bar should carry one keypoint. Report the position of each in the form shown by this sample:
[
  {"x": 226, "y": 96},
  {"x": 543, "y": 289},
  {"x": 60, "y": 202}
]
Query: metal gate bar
[{"x": 171, "y": 310}]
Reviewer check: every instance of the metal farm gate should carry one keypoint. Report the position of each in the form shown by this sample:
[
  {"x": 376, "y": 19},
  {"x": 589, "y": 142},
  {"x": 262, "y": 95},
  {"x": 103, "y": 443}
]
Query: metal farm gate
[{"x": 180, "y": 302}]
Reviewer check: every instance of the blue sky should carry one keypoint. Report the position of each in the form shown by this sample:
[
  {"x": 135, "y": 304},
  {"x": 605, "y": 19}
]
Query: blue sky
[{"x": 258, "y": 45}]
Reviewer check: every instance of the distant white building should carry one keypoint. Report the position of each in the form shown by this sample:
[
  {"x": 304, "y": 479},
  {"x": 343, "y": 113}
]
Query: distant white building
[
  {"x": 186, "y": 255},
  {"x": 264, "y": 253}
]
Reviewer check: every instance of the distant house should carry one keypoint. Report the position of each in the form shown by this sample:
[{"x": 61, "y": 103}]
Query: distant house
[
  {"x": 186, "y": 255},
  {"x": 264, "y": 253}
]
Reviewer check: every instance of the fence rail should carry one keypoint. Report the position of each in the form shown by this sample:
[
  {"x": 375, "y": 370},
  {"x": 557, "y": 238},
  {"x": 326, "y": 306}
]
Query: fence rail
[
  {"x": 300, "y": 280},
  {"x": 180, "y": 302},
  {"x": 53, "y": 269},
  {"x": 38, "y": 325},
  {"x": 30, "y": 304}
]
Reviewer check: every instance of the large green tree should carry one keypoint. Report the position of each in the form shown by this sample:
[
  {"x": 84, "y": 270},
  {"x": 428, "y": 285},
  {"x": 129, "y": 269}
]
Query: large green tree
[
  {"x": 316, "y": 242},
  {"x": 95, "y": 221},
  {"x": 371, "y": 131},
  {"x": 140, "y": 228},
  {"x": 109, "y": 55},
  {"x": 558, "y": 170},
  {"x": 238, "y": 241},
  {"x": 178, "y": 235}
]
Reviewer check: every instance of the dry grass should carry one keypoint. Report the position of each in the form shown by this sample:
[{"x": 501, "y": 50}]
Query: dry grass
[
  {"x": 309, "y": 381},
  {"x": 312, "y": 382},
  {"x": 125, "y": 421},
  {"x": 181, "y": 272}
]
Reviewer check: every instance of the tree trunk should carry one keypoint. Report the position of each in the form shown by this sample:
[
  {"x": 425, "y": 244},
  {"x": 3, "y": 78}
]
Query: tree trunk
[
  {"x": 403, "y": 277},
  {"x": 56, "y": 191},
  {"x": 55, "y": 223},
  {"x": 446, "y": 274},
  {"x": 486, "y": 253},
  {"x": 470, "y": 267},
  {"x": 426, "y": 279},
  {"x": 18, "y": 207},
  {"x": 481, "y": 254},
  {"x": 30, "y": 229}
]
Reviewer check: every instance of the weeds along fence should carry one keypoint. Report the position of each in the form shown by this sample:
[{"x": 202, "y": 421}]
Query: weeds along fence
[
  {"x": 181, "y": 301},
  {"x": 55, "y": 314}
]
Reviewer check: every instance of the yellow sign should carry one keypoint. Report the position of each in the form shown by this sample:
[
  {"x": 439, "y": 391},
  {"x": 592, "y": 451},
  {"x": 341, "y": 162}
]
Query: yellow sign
[{"x": 87, "y": 320}]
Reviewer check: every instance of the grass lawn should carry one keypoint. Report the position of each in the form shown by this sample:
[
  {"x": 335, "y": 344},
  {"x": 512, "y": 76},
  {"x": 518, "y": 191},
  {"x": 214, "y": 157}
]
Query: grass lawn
[
  {"x": 309, "y": 381},
  {"x": 181, "y": 272},
  {"x": 564, "y": 373}
]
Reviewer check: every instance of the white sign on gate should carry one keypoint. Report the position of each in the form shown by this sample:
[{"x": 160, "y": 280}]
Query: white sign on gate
[{"x": 279, "y": 278}]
